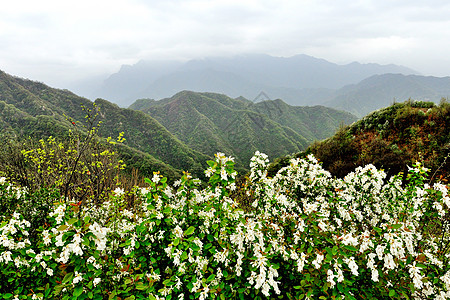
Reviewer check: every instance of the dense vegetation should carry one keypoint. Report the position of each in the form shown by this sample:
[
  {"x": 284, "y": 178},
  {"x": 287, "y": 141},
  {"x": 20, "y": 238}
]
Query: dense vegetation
[
  {"x": 29, "y": 108},
  {"x": 391, "y": 138},
  {"x": 195, "y": 125},
  {"x": 75, "y": 223},
  {"x": 210, "y": 122},
  {"x": 304, "y": 235}
]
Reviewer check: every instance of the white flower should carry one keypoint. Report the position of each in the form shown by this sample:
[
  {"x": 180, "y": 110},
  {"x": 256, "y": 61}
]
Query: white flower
[
  {"x": 223, "y": 174},
  {"x": 78, "y": 277},
  {"x": 318, "y": 261},
  {"x": 414, "y": 272},
  {"x": 156, "y": 177},
  {"x": 119, "y": 192},
  {"x": 209, "y": 172},
  {"x": 96, "y": 281},
  {"x": 330, "y": 278},
  {"x": 352, "y": 265}
]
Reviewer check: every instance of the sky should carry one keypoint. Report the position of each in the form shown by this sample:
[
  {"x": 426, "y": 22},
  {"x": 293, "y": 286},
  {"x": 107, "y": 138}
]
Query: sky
[{"x": 60, "y": 42}]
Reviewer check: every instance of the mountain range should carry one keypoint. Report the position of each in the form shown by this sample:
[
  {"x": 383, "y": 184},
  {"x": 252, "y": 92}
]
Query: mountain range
[
  {"x": 379, "y": 91},
  {"x": 172, "y": 135},
  {"x": 211, "y": 122},
  {"x": 298, "y": 80}
]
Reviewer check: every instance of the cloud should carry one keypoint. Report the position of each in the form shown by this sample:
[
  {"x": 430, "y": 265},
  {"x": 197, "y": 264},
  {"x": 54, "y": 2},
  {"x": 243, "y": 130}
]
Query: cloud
[{"x": 65, "y": 40}]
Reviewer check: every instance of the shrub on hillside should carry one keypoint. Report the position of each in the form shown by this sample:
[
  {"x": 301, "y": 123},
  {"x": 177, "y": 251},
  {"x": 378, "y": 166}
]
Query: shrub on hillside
[{"x": 307, "y": 236}]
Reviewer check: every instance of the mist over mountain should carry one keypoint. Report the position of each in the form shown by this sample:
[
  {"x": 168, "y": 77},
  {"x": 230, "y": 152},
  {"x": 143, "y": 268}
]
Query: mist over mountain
[
  {"x": 380, "y": 91},
  {"x": 171, "y": 135},
  {"x": 298, "y": 80}
]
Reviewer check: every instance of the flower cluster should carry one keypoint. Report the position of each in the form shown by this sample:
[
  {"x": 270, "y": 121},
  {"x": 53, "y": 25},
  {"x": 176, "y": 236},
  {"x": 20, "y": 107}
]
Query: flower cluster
[{"x": 309, "y": 235}]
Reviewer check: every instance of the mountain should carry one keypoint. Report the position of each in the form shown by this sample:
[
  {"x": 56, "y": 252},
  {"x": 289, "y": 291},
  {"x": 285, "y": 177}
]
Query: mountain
[
  {"x": 391, "y": 138},
  {"x": 312, "y": 122},
  {"x": 382, "y": 90},
  {"x": 29, "y": 108},
  {"x": 211, "y": 122},
  {"x": 299, "y": 80}
]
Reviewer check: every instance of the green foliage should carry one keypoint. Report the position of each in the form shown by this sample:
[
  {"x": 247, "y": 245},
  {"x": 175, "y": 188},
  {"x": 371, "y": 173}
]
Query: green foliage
[
  {"x": 79, "y": 167},
  {"x": 32, "y": 109},
  {"x": 307, "y": 235},
  {"x": 210, "y": 122},
  {"x": 390, "y": 138}
]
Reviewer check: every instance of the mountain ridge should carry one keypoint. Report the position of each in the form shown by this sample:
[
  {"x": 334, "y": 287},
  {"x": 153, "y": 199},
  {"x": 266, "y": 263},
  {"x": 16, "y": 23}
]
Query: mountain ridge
[
  {"x": 382, "y": 90},
  {"x": 230, "y": 125},
  {"x": 242, "y": 75}
]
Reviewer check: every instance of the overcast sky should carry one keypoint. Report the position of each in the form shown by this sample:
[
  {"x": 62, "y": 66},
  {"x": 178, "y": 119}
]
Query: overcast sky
[{"x": 59, "y": 41}]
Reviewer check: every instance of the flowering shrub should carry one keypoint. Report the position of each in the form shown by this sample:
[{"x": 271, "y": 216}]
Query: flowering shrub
[{"x": 308, "y": 236}]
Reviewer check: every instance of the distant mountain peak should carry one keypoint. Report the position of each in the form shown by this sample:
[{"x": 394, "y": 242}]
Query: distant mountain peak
[{"x": 241, "y": 75}]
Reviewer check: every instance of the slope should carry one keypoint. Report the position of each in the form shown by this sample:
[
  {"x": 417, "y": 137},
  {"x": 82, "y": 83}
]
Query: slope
[
  {"x": 382, "y": 90},
  {"x": 32, "y": 108},
  {"x": 391, "y": 138},
  {"x": 211, "y": 122},
  {"x": 312, "y": 122}
]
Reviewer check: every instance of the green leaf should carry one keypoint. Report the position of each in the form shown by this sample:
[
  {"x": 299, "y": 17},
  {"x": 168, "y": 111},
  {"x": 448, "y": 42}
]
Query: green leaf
[
  {"x": 211, "y": 278},
  {"x": 194, "y": 247},
  {"x": 214, "y": 226},
  {"x": 72, "y": 221},
  {"x": 68, "y": 277},
  {"x": 141, "y": 287},
  {"x": 189, "y": 231},
  {"x": 334, "y": 250},
  {"x": 78, "y": 291},
  {"x": 396, "y": 226},
  {"x": 184, "y": 256},
  {"x": 211, "y": 163},
  {"x": 63, "y": 227},
  {"x": 391, "y": 293},
  {"x": 379, "y": 230},
  {"x": 351, "y": 248},
  {"x": 151, "y": 297},
  {"x": 176, "y": 242}
]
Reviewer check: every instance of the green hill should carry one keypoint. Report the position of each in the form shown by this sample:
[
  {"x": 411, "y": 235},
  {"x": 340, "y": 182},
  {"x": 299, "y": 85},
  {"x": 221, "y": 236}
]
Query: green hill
[
  {"x": 312, "y": 122},
  {"x": 211, "y": 122},
  {"x": 29, "y": 108},
  {"x": 391, "y": 138}
]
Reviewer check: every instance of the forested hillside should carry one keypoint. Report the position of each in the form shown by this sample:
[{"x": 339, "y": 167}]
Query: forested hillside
[
  {"x": 210, "y": 122},
  {"x": 31, "y": 108},
  {"x": 392, "y": 138}
]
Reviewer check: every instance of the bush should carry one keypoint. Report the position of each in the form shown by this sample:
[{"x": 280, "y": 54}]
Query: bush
[
  {"x": 82, "y": 166},
  {"x": 307, "y": 236}
]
